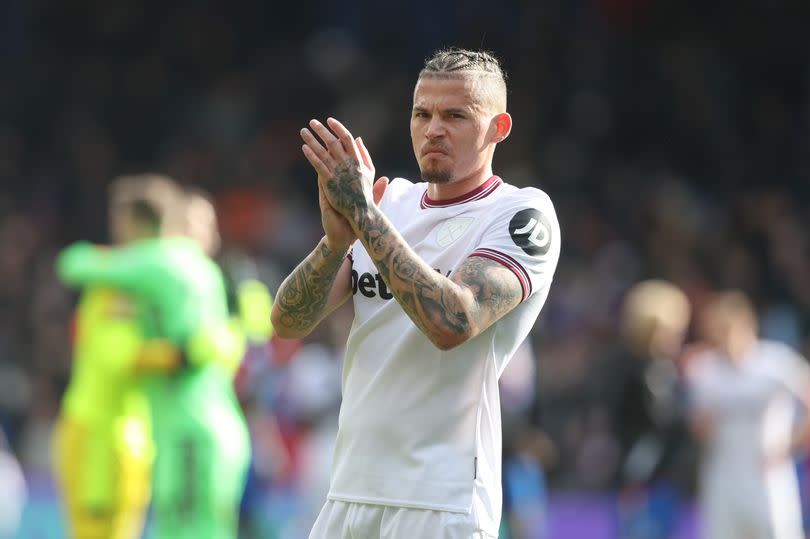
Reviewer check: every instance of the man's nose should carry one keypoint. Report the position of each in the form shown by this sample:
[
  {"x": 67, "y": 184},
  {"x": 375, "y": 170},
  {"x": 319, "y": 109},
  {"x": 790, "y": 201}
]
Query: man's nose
[{"x": 435, "y": 127}]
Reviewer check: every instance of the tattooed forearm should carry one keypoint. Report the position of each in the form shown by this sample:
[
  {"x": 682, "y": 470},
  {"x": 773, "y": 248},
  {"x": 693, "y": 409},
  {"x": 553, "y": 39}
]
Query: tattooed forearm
[
  {"x": 428, "y": 297},
  {"x": 448, "y": 311},
  {"x": 419, "y": 289},
  {"x": 302, "y": 298},
  {"x": 415, "y": 285}
]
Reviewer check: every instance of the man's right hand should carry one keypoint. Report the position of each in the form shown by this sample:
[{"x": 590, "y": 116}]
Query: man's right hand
[{"x": 339, "y": 233}]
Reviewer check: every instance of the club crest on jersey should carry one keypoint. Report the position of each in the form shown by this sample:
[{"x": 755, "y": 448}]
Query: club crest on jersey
[
  {"x": 531, "y": 231},
  {"x": 452, "y": 229}
]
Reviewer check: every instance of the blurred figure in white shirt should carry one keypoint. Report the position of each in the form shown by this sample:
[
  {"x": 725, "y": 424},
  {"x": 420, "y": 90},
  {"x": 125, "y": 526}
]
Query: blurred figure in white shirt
[{"x": 745, "y": 396}]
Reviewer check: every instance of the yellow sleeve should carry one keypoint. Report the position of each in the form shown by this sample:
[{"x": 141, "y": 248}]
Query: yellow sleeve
[
  {"x": 108, "y": 330},
  {"x": 255, "y": 303}
]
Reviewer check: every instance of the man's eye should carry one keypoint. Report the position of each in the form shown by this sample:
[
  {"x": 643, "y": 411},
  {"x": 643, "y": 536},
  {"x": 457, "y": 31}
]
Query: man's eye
[
  {"x": 456, "y": 115},
  {"x": 420, "y": 114}
]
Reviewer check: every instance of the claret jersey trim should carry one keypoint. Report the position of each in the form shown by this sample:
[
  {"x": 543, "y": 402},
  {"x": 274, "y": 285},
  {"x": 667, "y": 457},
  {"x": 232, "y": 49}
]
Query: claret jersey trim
[
  {"x": 482, "y": 191},
  {"x": 512, "y": 264}
]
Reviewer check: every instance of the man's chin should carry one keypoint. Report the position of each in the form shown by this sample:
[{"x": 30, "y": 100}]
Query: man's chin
[{"x": 437, "y": 176}]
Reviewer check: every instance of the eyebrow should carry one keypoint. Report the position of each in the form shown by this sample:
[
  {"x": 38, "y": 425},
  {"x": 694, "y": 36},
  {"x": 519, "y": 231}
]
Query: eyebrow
[{"x": 452, "y": 110}]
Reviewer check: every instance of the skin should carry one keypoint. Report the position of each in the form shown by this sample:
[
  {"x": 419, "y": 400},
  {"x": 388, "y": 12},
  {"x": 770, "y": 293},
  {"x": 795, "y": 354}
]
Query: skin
[
  {"x": 454, "y": 130},
  {"x": 200, "y": 223},
  {"x": 454, "y": 136}
]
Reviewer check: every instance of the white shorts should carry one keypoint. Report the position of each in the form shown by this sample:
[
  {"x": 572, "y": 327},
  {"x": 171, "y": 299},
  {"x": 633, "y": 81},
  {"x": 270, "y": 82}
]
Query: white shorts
[{"x": 346, "y": 520}]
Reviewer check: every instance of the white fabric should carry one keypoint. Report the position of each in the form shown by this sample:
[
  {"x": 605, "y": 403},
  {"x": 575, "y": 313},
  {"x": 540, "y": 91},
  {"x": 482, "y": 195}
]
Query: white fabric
[
  {"x": 751, "y": 406},
  {"x": 13, "y": 493},
  {"x": 346, "y": 520},
  {"x": 420, "y": 427}
]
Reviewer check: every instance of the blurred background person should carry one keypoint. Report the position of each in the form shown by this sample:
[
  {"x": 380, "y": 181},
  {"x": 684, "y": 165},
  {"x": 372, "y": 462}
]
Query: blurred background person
[
  {"x": 745, "y": 392},
  {"x": 641, "y": 389},
  {"x": 103, "y": 448},
  {"x": 200, "y": 432}
]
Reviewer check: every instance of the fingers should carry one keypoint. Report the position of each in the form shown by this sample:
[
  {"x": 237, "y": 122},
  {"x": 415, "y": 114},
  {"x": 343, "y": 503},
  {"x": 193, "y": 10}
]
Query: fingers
[
  {"x": 346, "y": 138},
  {"x": 317, "y": 163},
  {"x": 378, "y": 190},
  {"x": 331, "y": 141},
  {"x": 335, "y": 146},
  {"x": 317, "y": 148},
  {"x": 364, "y": 153},
  {"x": 339, "y": 148}
]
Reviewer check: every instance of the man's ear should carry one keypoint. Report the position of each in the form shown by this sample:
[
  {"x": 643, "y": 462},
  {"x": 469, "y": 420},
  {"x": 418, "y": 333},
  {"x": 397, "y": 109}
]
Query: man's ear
[{"x": 503, "y": 126}]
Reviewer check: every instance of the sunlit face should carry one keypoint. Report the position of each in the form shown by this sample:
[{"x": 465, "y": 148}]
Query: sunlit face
[
  {"x": 201, "y": 224},
  {"x": 726, "y": 329},
  {"x": 453, "y": 134}
]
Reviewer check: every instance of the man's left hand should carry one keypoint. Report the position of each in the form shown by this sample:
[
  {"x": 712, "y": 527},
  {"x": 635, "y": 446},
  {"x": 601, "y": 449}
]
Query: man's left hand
[{"x": 344, "y": 166}]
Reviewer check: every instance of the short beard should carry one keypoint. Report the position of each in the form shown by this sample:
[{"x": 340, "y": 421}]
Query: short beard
[{"x": 437, "y": 176}]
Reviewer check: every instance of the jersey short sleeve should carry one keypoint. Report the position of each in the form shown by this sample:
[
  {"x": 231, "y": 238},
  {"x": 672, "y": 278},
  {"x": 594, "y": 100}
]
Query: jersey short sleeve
[
  {"x": 524, "y": 236},
  {"x": 789, "y": 368}
]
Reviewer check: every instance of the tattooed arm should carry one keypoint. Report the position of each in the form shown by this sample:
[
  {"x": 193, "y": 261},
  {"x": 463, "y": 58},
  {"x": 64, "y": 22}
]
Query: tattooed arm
[
  {"x": 319, "y": 285},
  {"x": 449, "y": 311}
]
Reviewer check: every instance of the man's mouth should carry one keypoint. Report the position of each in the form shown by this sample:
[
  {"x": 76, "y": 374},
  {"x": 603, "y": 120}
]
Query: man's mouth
[{"x": 433, "y": 152}]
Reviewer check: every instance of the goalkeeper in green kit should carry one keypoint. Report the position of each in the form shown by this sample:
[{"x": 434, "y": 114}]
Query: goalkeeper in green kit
[{"x": 201, "y": 437}]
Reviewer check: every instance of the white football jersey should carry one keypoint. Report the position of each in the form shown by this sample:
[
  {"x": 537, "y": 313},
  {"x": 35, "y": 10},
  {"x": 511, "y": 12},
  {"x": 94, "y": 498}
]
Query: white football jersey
[
  {"x": 752, "y": 404},
  {"x": 752, "y": 407},
  {"x": 421, "y": 427}
]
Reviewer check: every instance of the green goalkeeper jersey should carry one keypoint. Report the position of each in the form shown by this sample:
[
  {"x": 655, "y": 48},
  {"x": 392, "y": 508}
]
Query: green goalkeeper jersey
[
  {"x": 182, "y": 292},
  {"x": 203, "y": 447},
  {"x": 182, "y": 286}
]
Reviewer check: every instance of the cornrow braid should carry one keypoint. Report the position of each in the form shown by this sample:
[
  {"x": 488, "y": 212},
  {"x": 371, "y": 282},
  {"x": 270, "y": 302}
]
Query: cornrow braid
[
  {"x": 455, "y": 60},
  {"x": 479, "y": 66}
]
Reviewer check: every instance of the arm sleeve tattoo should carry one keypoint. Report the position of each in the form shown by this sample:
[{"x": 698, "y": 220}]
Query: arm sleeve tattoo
[{"x": 302, "y": 297}]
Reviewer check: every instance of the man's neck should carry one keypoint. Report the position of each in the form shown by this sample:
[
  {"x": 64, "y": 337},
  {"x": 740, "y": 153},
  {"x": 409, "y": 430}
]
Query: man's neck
[{"x": 460, "y": 187}]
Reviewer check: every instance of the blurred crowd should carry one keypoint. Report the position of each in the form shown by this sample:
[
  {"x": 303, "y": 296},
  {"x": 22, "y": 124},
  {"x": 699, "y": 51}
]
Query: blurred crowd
[{"x": 673, "y": 137}]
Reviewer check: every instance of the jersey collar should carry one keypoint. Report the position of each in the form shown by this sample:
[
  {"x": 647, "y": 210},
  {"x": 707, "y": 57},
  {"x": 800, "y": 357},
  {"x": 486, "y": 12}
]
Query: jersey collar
[{"x": 482, "y": 191}]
